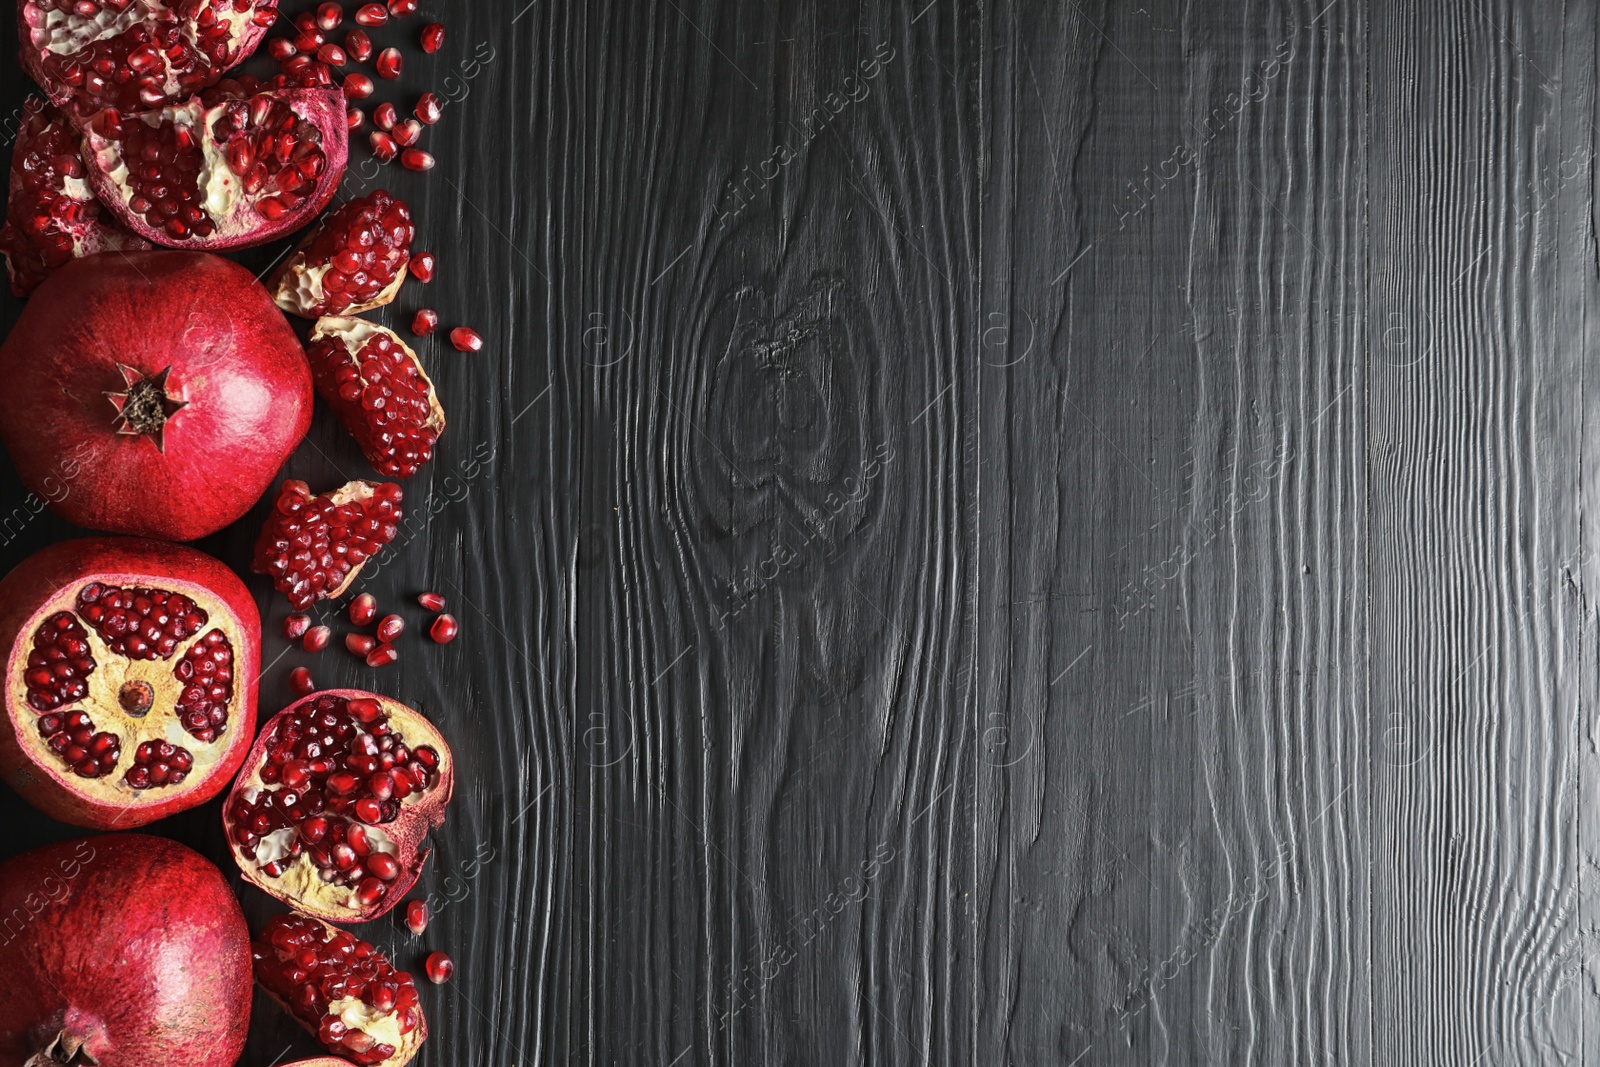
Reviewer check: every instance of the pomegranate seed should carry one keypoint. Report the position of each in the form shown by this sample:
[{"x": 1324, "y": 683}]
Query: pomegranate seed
[
  {"x": 382, "y": 656},
  {"x": 369, "y": 811},
  {"x": 444, "y": 629},
  {"x": 432, "y": 37},
  {"x": 424, "y": 322},
  {"x": 389, "y": 63},
  {"x": 408, "y": 133},
  {"x": 329, "y": 16},
  {"x": 332, "y": 55},
  {"x": 306, "y": 22},
  {"x": 357, "y": 86},
  {"x": 358, "y": 46},
  {"x": 363, "y": 609},
  {"x": 383, "y": 146},
  {"x": 355, "y": 118},
  {"x": 416, "y": 915},
  {"x": 390, "y": 628},
  {"x": 317, "y": 638},
  {"x": 430, "y": 108},
  {"x": 440, "y": 968},
  {"x": 280, "y": 48},
  {"x": 360, "y": 644},
  {"x": 401, "y": 8},
  {"x": 295, "y": 626},
  {"x": 309, "y": 42},
  {"x": 300, "y": 681},
  {"x": 385, "y": 116},
  {"x": 416, "y": 159},
  {"x": 372, "y": 15},
  {"x": 422, "y": 266},
  {"x": 383, "y": 866},
  {"x": 466, "y": 339},
  {"x": 431, "y": 601}
]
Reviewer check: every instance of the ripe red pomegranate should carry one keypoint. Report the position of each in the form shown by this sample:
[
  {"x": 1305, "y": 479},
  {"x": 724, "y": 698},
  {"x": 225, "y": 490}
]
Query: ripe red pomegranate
[
  {"x": 313, "y": 547},
  {"x": 333, "y": 804},
  {"x": 163, "y": 388},
  {"x": 375, "y": 384},
  {"x": 135, "y": 54},
  {"x": 342, "y": 989},
  {"x": 124, "y": 951},
  {"x": 354, "y": 261},
  {"x": 51, "y": 216},
  {"x": 225, "y": 169},
  {"x": 130, "y": 668}
]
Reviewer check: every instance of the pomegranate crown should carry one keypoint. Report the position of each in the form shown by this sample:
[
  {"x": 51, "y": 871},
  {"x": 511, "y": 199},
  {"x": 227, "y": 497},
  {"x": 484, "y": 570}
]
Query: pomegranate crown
[{"x": 144, "y": 407}]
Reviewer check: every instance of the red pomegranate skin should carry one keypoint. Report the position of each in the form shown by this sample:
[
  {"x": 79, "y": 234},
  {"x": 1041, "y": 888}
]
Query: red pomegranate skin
[
  {"x": 133, "y": 945},
  {"x": 66, "y": 563},
  {"x": 236, "y": 367}
]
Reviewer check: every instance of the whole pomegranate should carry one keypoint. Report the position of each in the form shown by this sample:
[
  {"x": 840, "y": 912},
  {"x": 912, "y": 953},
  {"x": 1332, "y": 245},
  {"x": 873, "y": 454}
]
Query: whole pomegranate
[
  {"x": 123, "y": 951},
  {"x": 152, "y": 393},
  {"x": 130, "y": 679}
]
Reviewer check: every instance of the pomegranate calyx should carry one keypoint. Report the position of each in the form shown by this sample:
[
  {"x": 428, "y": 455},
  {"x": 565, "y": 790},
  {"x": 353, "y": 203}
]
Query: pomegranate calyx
[
  {"x": 145, "y": 406},
  {"x": 64, "y": 1050}
]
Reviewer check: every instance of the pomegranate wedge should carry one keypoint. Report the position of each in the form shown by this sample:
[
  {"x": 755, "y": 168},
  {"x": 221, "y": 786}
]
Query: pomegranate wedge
[
  {"x": 376, "y": 385},
  {"x": 313, "y": 547}
]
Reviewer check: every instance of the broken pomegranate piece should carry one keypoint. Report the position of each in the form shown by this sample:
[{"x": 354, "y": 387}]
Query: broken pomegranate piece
[
  {"x": 51, "y": 216},
  {"x": 354, "y": 261},
  {"x": 131, "y": 667},
  {"x": 133, "y": 55},
  {"x": 334, "y": 802},
  {"x": 313, "y": 547},
  {"x": 223, "y": 170},
  {"x": 378, "y": 389},
  {"x": 341, "y": 989}
]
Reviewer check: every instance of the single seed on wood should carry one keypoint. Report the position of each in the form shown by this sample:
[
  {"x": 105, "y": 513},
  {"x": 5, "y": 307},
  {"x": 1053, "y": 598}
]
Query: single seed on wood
[
  {"x": 390, "y": 63},
  {"x": 423, "y": 324},
  {"x": 317, "y": 638},
  {"x": 444, "y": 629},
  {"x": 431, "y": 601},
  {"x": 391, "y": 627},
  {"x": 416, "y": 159},
  {"x": 363, "y": 609},
  {"x": 296, "y": 625},
  {"x": 300, "y": 681},
  {"x": 432, "y": 37},
  {"x": 466, "y": 339}
]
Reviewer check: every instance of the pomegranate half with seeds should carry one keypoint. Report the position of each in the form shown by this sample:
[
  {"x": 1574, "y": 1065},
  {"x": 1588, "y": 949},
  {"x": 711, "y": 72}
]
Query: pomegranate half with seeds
[
  {"x": 376, "y": 385},
  {"x": 331, "y": 809},
  {"x": 225, "y": 169},
  {"x": 342, "y": 989},
  {"x": 152, "y": 393},
  {"x": 130, "y": 679},
  {"x": 121, "y": 950}
]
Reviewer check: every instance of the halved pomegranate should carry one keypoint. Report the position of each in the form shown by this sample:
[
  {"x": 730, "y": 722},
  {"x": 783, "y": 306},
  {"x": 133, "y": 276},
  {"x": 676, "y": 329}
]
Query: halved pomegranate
[
  {"x": 332, "y": 806},
  {"x": 342, "y": 989},
  {"x": 354, "y": 261},
  {"x": 376, "y": 385},
  {"x": 135, "y": 54},
  {"x": 221, "y": 170},
  {"x": 51, "y": 216},
  {"x": 313, "y": 547},
  {"x": 130, "y": 679}
]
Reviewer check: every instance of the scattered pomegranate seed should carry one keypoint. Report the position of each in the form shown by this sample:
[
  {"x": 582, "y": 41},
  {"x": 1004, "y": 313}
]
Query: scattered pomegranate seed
[
  {"x": 444, "y": 629},
  {"x": 356, "y": 118},
  {"x": 280, "y": 48},
  {"x": 466, "y": 339},
  {"x": 306, "y": 22},
  {"x": 401, "y": 8},
  {"x": 363, "y": 609},
  {"x": 430, "y": 109},
  {"x": 300, "y": 681},
  {"x": 382, "y": 656},
  {"x": 308, "y": 42},
  {"x": 357, "y": 86},
  {"x": 432, "y": 37},
  {"x": 385, "y": 115},
  {"x": 416, "y": 159},
  {"x": 295, "y": 626},
  {"x": 329, "y": 16},
  {"x": 332, "y": 55},
  {"x": 424, "y": 322},
  {"x": 390, "y": 63},
  {"x": 431, "y": 601},
  {"x": 440, "y": 968},
  {"x": 422, "y": 266},
  {"x": 360, "y": 644},
  {"x": 358, "y": 45},
  {"x": 372, "y": 15},
  {"x": 383, "y": 146},
  {"x": 317, "y": 638},
  {"x": 408, "y": 133},
  {"x": 390, "y": 628},
  {"x": 416, "y": 916}
]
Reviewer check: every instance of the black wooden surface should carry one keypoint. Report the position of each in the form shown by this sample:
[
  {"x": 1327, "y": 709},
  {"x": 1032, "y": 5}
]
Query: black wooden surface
[{"x": 1026, "y": 532}]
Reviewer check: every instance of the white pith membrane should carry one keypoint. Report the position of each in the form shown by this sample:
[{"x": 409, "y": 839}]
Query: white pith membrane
[
  {"x": 220, "y": 187},
  {"x": 114, "y": 671}
]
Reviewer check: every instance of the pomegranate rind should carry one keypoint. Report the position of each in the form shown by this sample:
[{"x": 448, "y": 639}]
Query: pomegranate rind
[
  {"x": 33, "y": 591},
  {"x": 299, "y": 886},
  {"x": 351, "y": 334},
  {"x": 137, "y": 941},
  {"x": 237, "y": 366}
]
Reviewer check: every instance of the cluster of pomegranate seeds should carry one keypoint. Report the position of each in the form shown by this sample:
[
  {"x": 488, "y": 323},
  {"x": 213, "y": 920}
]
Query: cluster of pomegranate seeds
[
  {"x": 158, "y": 763},
  {"x": 333, "y": 768},
  {"x": 310, "y": 967},
  {"x": 376, "y": 386},
  {"x": 206, "y": 672},
  {"x": 312, "y": 546},
  {"x": 71, "y": 735},
  {"x": 59, "y": 665},
  {"x": 355, "y": 259},
  {"x": 140, "y": 623}
]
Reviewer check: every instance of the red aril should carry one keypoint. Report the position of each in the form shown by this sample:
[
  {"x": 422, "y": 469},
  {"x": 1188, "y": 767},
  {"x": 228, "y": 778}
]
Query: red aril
[
  {"x": 313, "y": 547},
  {"x": 389, "y": 628},
  {"x": 281, "y": 48},
  {"x": 51, "y": 217},
  {"x": 429, "y": 108},
  {"x": 170, "y": 430},
  {"x": 116, "y": 647},
  {"x": 317, "y": 638},
  {"x": 431, "y": 601},
  {"x": 401, "y": 8},
  {"x": 383, "y": 656},
  {"x": 376, "y": 386},
  {"x": 466, "y": 339},
  {"x": 372, "y": 15},
  {"x": 383, "y": 146},
  {"x": 329, "y": 15},
  {"x": 360, "y": 644},
  {"x": 358, "y": 86},
  {"x": 390, "y": 63},
  {"x": 444, "y": 629},
  {"x": 122, "y": 950},
  {"x": 432, "y": 37},
  {"x": 385, "y": 115},
  {"x": 358, "y": 44},
  {"x": 301, "y": 683},
  {"x": 355, "y": 259},
  {"x": 341, "y": 989},
  {"x": 422, "y": 266},
  {"x": 309, "y": 41},
  {"x": 363, "y": 609},
  {"x": 224, "y": 170},
  {"x": 407, "y": 133},
  {"x": 357, "y": 118},
  {"x": 440, "y": 968},
  {"x": 94, "y": 54},
  {"x": 332, "y": 55},
  {"x": 416, "y": 916},
  {"x": 424, "y": 322},
  {"x": 416, "y": 159},
  {"x": 331, "y": 810},
  {"x": 295, "y": 626}
]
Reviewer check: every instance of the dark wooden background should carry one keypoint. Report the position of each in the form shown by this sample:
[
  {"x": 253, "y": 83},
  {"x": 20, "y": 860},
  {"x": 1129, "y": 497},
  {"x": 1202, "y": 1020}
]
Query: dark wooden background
[{"x": 1074, "y": 553}]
